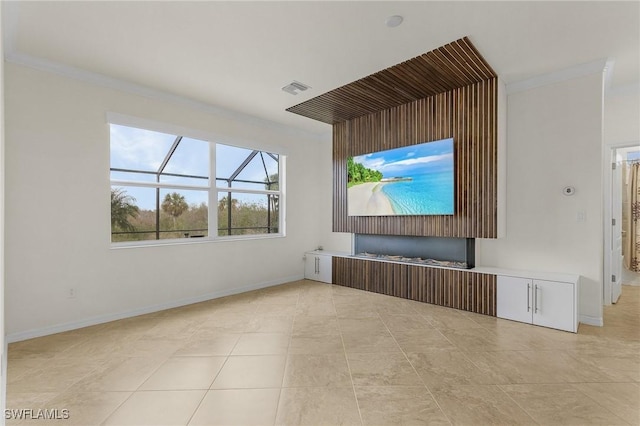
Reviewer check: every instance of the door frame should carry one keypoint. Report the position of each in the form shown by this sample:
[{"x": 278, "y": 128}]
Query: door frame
[{"x": 609, "y": 157}]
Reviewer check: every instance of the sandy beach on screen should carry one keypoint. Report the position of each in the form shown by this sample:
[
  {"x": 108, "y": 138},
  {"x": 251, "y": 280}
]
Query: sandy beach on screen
[{"x": 367, "y": 199}]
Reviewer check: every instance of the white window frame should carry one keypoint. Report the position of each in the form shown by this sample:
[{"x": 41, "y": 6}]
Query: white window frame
[{"x": 212, "y": 189}]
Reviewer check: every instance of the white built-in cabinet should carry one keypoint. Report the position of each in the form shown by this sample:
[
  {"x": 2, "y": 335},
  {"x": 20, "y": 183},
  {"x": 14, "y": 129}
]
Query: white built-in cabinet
[
  {"x": 536, "y": 301},
  {"x": 317, "y": 266}
]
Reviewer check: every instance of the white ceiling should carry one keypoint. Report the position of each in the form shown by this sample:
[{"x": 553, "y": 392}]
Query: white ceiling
[{"x": 238, "y": 55}]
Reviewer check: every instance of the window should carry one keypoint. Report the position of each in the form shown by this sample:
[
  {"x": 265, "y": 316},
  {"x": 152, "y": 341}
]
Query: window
[{"x": 161, "y": 188}]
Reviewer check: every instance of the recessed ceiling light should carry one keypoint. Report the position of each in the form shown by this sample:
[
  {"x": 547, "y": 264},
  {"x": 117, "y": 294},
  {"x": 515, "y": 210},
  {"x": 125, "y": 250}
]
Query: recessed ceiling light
[{"x": 394, "y": 21}]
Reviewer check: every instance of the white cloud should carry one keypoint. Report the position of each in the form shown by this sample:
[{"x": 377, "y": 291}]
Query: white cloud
[
  {"x": 374, "y": 164},
  {"x": 382, "y": 166},
  {"x": 419, "y": 160},
  {"x": 136, "y": 148}
]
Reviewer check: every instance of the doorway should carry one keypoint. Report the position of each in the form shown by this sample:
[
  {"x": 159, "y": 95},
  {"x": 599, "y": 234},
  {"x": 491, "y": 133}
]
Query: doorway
[{"x": 622, "y": 233}]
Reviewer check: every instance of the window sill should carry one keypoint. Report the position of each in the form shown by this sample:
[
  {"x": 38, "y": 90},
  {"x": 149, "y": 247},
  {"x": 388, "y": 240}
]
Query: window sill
[{"x": 190, "y": 241}]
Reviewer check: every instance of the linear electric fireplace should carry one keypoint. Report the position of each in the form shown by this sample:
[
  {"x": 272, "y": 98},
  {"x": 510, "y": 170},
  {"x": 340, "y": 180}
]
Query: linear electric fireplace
[{"x": 435, "y": 251}]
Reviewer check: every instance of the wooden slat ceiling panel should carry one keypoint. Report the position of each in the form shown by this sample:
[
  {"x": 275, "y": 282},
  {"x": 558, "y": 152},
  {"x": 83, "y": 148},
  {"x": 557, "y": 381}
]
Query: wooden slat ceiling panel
[{"x": 446, "y": 68}]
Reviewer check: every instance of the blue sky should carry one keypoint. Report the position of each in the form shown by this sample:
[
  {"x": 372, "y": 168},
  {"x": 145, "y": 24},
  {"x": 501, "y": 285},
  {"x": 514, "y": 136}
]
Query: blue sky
[
  {"x": 411, "y": 160},
  {"x": 634, "y": 155},
  {"x": 139, "y": 149}
]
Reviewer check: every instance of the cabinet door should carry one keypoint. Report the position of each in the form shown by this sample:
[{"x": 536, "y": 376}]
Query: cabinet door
[
  {"x": 324, "y": 269},
  {"x": 513, "y": 299},
  {"x": 553, "y": 305},
  {"x": 311, "y": 267}
]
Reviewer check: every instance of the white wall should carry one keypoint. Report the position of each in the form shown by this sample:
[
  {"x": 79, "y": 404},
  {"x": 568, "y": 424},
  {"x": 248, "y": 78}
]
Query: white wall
[
  {"x": 3, "y": 354},
  {"x": 334, "y": 241},
  {"x": 58, "y": 226},
  {"x": 622, "y": 117},
  {"x": 554, "y": 139}
]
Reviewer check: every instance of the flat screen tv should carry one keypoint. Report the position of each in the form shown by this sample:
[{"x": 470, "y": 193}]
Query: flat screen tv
[{"x": 412, "y": 180}]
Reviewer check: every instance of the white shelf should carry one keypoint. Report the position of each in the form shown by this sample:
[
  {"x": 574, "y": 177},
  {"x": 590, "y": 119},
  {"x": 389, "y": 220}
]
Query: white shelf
[{"x": 538, "y": 275}]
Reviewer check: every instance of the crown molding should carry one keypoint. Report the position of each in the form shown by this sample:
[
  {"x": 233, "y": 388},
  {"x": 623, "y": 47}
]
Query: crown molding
[
  {"x": 102, "y": 80},
  {"x": 598, "y": 66}
]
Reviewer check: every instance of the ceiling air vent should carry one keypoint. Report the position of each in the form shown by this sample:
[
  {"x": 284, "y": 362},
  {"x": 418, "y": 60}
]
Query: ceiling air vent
[{"x": 294, "y": 86}]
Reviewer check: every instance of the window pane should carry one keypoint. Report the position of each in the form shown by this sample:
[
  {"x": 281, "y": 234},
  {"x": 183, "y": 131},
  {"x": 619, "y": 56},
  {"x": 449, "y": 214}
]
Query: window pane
[
  {"x": 247, "y": 214},
  {"x": 183, "y": 214},
  {"x": 133, "y": 213},
  {"x": 138, "y": 149},
  {"x": 229, "y": 159},
  {"x": 272, "y": 165},
  {"x": 191, "y": 158},
  {"x": 258, "y": 173},
  {"x": 246, "y": 169}
]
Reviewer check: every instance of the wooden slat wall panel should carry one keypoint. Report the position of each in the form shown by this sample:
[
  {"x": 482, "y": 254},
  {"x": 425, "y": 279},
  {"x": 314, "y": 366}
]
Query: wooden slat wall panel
[
  {"x": 459, "y": 289},
  {"x": 469, "y": 115},
  {"x": 446, "y": 68}
]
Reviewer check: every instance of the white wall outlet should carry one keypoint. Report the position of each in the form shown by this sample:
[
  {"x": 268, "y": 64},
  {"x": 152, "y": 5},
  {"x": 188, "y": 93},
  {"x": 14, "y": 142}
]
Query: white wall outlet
[{"x": 71, "y": 293}]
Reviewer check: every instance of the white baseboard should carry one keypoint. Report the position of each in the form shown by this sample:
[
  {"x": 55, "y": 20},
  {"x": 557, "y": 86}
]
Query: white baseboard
[
  {"x": 74, "y": 325},
  {"x": 589, "y": 320}
]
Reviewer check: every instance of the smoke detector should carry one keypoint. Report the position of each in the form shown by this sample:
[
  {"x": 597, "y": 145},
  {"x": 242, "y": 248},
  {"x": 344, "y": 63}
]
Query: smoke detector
[
  {"x": 393, "y": 21},
  {"x": 294, "y": 87}
]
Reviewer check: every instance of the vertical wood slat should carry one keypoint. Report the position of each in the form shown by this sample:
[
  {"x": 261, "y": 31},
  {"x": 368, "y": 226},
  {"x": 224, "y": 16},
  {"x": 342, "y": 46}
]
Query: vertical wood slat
[
  {"x": 459, "y": 289},
  {"x": 467, "y": 114}
]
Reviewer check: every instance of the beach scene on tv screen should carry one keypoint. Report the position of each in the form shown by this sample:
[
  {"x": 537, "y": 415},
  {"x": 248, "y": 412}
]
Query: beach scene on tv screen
[{"x": 412, "y": 180}]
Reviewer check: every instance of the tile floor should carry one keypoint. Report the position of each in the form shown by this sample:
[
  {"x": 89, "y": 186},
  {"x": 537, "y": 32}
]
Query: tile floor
[{"x": 315, "y": 354}]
